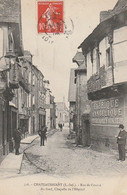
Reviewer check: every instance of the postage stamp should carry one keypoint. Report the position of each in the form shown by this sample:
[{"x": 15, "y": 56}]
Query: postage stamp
[{"x": 50, "y": 17}]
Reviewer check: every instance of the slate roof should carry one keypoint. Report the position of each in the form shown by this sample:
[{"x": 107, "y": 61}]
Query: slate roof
[
  {"x": 105, "y": 26},
  {"x": 72, "y": 87},
  {"x": 81, "y": 68},
  {"x": 120, "y": 6},
  {"x": 78, "y": 58}
]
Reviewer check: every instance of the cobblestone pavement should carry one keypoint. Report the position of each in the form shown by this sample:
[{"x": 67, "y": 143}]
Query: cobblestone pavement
[{"x": 61, "y": 157}]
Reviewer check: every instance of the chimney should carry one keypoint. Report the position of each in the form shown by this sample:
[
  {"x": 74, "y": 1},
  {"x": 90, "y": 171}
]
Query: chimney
[{"x": 104, "y": 15}]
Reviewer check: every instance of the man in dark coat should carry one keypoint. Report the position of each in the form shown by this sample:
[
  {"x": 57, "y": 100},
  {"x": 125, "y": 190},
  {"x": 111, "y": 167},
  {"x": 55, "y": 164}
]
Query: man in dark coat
[
  {"x": 121, "y": 141},
  {"x": 42, "y": 134},
  {"x": 61, "y": 127},
  {"x": 17, "y": 140}
]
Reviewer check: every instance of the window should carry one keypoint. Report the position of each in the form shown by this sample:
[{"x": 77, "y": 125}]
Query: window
[
  {"x": 33, "y": 100},
  {"x": 108, "y": 57},
  {"x": 1, "y": 42},
  {"x": 98, "y": 59},
  {"x": 33, "y": 79}
]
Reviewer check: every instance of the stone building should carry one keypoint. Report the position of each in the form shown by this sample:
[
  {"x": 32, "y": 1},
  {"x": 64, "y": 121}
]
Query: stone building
[
  {"x": 50, "y": 107},
  {"x": 52, "y": 112},
  {"x": 62, "y": 113},
  {"x": 105, "y": 55},
  {"x": 41, "y": 100},
  {"x": 47, "y": 103},
  {"x": 72, "y": 100},
  {"x": 24, "y": 93},
  {"x": 10, "y": 49},
  {"x": 38, "y": 114},
  {"x": 82, "y": 103}
]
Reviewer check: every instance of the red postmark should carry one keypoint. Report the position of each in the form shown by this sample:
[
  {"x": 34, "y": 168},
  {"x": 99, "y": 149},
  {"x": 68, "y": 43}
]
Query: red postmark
[{"x": 50, "y": 17}]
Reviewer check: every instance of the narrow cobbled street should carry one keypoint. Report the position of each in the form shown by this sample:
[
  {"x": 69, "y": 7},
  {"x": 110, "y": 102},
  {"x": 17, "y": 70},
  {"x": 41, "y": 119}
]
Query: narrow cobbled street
[{"x": 61, "y": 157}]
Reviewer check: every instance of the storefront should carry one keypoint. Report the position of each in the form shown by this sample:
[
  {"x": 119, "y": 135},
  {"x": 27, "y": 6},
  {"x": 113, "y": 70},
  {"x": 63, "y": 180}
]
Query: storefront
[
  {"x": 4, "y": 146},
  {"x": 42, "y": 118},
  {"x": 106, "y": 115},
  {"x": 12, "y": 124},
  {"x": 23, "y": 123}
]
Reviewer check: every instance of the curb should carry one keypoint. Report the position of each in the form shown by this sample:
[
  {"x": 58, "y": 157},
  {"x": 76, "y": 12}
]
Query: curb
[{"x": 29, "y": 142}]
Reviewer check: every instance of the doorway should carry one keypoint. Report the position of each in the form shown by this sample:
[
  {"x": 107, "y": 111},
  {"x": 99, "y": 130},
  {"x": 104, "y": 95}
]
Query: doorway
[
  {"x": 87, "y": 125},
  {"x": 86, "y": 130},
  {"x": 3, "y": 133}
]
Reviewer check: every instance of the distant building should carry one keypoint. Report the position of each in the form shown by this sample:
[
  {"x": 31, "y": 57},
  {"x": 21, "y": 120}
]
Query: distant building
[
  {"x": 47, "y": 103},
  {"x": 24, "y": 91},
  {"x": 72, "y": 100},
  {"x": 62, "y": 113},
  {"x": 50, "y": 107},
  {"x": 38, "y": 113},
  {"x": 52, "y": 112},
  {"x": 106, "y": 60}
]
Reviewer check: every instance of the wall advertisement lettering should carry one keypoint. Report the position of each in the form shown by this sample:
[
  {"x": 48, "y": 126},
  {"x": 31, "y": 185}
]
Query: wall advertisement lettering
[{"x": 110, "y": 111}]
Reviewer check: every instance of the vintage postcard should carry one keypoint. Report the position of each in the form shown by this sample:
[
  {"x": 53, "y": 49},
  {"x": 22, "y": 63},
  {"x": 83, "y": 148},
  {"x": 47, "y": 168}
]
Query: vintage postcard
[{"x": 63, "y": 97}]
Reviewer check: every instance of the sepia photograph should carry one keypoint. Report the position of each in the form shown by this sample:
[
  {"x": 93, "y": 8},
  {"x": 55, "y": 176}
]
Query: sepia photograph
[{"x": 63, "y": 97}]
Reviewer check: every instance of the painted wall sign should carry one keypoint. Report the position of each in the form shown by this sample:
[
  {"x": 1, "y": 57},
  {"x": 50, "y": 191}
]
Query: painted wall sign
[{"x": 110, "y": 111}]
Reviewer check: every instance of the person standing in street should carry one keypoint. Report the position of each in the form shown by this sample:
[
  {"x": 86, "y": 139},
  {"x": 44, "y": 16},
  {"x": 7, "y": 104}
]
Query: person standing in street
[
  {"x": 17, "y": 140},
  {"x": 42, "y": 134},
  {"x": 121, "y": 141},
  {"x": 61, "y": 127}
]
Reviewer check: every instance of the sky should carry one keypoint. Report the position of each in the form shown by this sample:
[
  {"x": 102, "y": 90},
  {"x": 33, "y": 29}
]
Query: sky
[{"x": 55, "y": 59}]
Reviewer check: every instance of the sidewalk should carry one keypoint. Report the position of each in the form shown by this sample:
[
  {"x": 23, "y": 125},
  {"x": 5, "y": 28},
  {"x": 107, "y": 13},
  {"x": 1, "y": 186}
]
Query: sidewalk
[
  {"x": 11, "y": 165},
  {"x": 29, "y": 139}
]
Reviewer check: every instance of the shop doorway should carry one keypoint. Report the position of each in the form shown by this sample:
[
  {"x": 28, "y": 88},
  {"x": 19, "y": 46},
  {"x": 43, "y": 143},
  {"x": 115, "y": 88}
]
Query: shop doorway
[
  {"x": 3, "y": 133},
  {"x": 14, "y": 122},
  {"x": 33, "y": 124},
  {"x": 86, "y": 130},
  {"x": 87, "y": 125},
  {"x": 24, "y": 126}
]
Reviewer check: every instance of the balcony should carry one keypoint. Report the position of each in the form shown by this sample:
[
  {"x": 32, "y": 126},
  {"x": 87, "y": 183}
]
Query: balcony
[
  {"x": 101, "y": 86},
  {"x": 97, "y": 81},
  {"x": 24, "y": 83}
]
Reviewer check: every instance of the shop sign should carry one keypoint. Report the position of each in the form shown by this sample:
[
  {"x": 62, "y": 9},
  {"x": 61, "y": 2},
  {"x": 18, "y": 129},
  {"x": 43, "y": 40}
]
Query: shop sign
[{"x": 110, "y": 111}]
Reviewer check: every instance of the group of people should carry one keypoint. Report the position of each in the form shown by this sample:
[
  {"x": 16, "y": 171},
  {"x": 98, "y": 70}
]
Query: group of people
[
  {"x": 17, "y": 136},
  {"x": 121, "y": 139}
]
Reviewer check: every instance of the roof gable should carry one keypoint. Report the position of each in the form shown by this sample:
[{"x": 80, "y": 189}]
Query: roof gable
[{"x": 72, "y": 87}]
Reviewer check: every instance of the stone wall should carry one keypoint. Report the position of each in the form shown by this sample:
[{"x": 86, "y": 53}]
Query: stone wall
[{"x": 10, "y": 11}]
